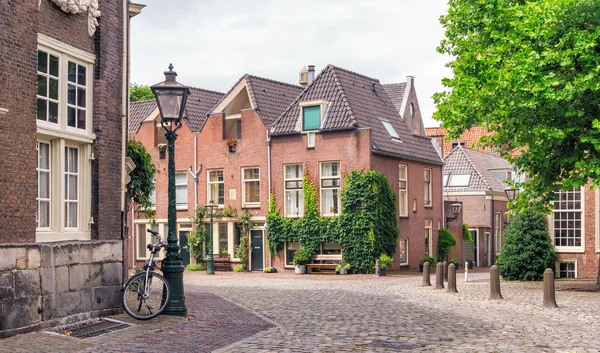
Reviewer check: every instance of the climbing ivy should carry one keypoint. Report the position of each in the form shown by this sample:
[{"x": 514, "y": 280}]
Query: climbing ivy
[{"x": 366, "y": 227}]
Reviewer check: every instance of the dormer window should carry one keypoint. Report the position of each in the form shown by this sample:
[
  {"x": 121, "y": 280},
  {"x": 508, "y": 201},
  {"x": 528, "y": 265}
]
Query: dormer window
[
  {"x": 390, "y": 129},
  {"x": 311, "y": 118}
]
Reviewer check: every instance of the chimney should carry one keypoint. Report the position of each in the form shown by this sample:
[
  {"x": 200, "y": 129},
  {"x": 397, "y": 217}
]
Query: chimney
[
  {"x": 303, "y": 76},
  {"x": 311, "y": 73}
]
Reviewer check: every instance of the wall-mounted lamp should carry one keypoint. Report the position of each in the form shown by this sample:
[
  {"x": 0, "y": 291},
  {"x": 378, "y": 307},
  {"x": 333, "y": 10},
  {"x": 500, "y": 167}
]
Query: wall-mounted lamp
[
  {"x": 511, "y": 193},
  {"x": 456, "y": 208}
]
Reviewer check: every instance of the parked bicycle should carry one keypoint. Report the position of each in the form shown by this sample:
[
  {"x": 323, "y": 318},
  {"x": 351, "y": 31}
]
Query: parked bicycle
[{"x": 147, "y": 293}]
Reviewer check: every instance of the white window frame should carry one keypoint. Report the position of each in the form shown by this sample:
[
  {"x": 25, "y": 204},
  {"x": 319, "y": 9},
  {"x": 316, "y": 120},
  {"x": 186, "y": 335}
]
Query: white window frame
[
  {"x": 429, "y": 229},
  {"x": 310, "y": 139},
  {"x": 236, "y": 120},
  {"x": 403, "y": 191},
  {"x": 231, "y": 225},
  {"x": 568, "y": 261},
  {"x": 464, "y": 183},
  {"x": 325, "y": 213},
  {"x": 161, "y": 226},
  {"x": 209, "y": 183},
  {"x": 66, "y": 177},
  {"x": 49, "y": 199},
  {"x": 244, "y": 181},
  {"x": 296, "y": 190},
  {"x": 498, "y": 231},
  {"x": 391, "y": 131},
  {"x": 428, "y": 188},
  {"x": 285, "y": 257},
  {"x": 407, "y": 263},
  {"x": 182, "y": 205},
  {"x": 570, "y": 249}
]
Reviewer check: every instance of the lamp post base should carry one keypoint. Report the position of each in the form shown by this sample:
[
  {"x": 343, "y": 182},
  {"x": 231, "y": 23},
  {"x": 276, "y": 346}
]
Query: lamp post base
[
  {"x": 210, "y": 265},
  {"x": 173, "y": 272}
]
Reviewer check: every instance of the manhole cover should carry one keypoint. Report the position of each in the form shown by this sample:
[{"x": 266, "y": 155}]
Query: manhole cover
[
  {"x": 396, "y": 345},
  {"x": 91, "y": 328}
]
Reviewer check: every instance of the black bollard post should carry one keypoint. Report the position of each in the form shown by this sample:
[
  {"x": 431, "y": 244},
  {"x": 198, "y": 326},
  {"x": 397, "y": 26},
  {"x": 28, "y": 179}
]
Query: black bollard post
[
  {"x": 495, "y": 283},
  {"x": 549, "y": 290},
  {"x": 439, "y": 276},
  {"x": 426, "y": 274},
  {"x": 452, "y": 279}
]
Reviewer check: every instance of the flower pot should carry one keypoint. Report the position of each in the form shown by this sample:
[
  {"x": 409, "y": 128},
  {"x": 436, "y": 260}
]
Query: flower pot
[
  {"x": 232, "y": 148},
  {"x": 383, "y": 271},
  {"x": 162, "y": 154},
  {"x": 420, "y": 267},
  {"x": 343, "y": 271},
  {"x": 300, "y": 269}
]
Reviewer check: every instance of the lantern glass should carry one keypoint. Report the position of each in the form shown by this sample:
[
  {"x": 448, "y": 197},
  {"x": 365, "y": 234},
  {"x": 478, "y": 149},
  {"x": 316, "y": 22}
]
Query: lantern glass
[
  {"x": 511, "y": 194},
  {"x": 456, "y": 207}
]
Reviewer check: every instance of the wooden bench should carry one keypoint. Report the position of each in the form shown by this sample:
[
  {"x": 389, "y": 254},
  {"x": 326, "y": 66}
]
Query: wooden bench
[
  {"x": 326, "y": 264},
  {"x": 223, "y": 261}
]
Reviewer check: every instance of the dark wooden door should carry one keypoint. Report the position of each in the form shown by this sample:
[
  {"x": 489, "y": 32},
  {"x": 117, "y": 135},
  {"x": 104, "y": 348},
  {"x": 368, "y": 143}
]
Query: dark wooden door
[
  {"x": 185, "y": 254},
  {"x": 256, "y": 260}
]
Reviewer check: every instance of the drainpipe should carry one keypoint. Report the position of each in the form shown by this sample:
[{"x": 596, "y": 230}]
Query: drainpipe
[
  {"x": 493, "y": 232},
  {"x": 269, "y": 179}
]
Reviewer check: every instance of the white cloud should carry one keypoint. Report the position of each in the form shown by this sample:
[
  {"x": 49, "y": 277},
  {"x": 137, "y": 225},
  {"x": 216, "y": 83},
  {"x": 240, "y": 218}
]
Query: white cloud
[{"x": 212, "y": 43}]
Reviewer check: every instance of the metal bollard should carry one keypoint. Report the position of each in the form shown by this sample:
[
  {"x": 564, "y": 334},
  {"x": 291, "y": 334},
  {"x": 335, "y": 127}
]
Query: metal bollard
[
  {"x": 445, "y": 271},
  {"x": 495, "y": 283},
  {"x": 467, "y": 271},
  {"x": 377, "y": 267},
  {"x": 452, "y": 279},
  {"x": 549, "y": 290},
  {"x": 439, "y": 276},
  {"x": 426, "y": 274}
]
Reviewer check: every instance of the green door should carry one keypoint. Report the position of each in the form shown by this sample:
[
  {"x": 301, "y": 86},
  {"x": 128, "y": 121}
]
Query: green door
[
  {"x": 185, "y": 254},
  {"x": 256, "y": 237}
]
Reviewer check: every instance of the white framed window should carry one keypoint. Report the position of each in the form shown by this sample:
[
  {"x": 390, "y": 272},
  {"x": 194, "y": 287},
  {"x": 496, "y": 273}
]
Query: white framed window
[
  {"x": 71, "y": 187},
  {"x": 48, "y": 82},
  {"x": 568, "y": 220},
  {"x": 566, "y": 269},
  {"x": 428, "y": 191},
  {"x": 232, "y": 126},
  {"x": 311, "y": 117},
  {"x": 153, "y": 196},
  {"x": 310, "y": 139},
  {"x": 216, "y": 187},
  {"x": 457, "y": 180},
  {"x": 428, "y": 237},
  {"x": 403, "y": 252},
  {"x": 290, "y": 249},
  {"x": 76, "y": 94},
  {"x": 181, "y": 195},
  {"x": 251, "y": 187},
  {"x": 143, "y": 238},
  {"x": 330, "y": 188},
  {"x": 293, "y": 189},
  {"x": 403, "y": 190},
  {"x": 44, "y": 177},
  {"x": 226, "y": 238},
  {"x": 455, "y": 144},
  {"x": 498, "y": 232},
  {"x": 390, "y": 129}
]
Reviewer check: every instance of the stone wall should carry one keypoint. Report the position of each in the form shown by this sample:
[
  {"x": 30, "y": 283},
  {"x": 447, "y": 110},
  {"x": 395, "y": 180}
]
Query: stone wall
[{"x": 45, "y": 284}]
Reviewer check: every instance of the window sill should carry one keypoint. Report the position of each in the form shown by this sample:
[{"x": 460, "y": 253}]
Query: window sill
[
  {"x": 251, "y": 206},
  {"x": 41, "y": 236},
  {"x": 404, "y": 265},
  {"x": 428, "y": 206},
  {"x": 569, "y": 250},
  {"x": 179, "y": 208},
  {"x": 403, "y": 217},
  {"x": 295, "y": 216}
]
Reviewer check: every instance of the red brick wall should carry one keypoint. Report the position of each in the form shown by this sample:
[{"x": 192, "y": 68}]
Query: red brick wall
[{"x": 413, "y": 227}]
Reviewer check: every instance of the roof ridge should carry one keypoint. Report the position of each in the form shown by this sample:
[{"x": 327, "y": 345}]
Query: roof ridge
[
  {"x": 144, "y": 101},
  {"x": 206, "y": 90},
  {"x": 393, "y": 83},
  {"x": 462, "y": 150},
  {"x": 272, "y": 80},
  {"x": 344, "y": 97},
  {"x": 354, "y": 73}
]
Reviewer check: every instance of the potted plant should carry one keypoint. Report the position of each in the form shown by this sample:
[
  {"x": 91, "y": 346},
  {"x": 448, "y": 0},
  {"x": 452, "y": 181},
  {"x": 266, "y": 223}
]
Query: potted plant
[
  {"x": 300, "y": 260},
  {"x": 231, "y": 143},
  {"x": 162, "y": 151},
  {"x": 470, "y": 264},
  {"x": 384, "y": 261},
  {"x": 455, "y": 262},
  {"x": 432, "y": 261},
  {"x": 342, "y": 268}
]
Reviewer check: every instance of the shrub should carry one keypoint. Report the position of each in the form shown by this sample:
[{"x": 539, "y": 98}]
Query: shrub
[
  {"x": 301, "y": 257},
  {"x": 527, "y": 250},
  {"x": 239, "y": 268},
  {"x": 195, "y": 267},
  {"x": 268, "y": 269},
  {"x": 466, "y": 234},
  {"x": 432, "y": 261},
  {"x": 445, "y": 242},
  {"x": 384, "y": 261}
]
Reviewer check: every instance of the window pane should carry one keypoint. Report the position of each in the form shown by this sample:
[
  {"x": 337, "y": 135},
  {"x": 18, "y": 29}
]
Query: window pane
[
  {"x": 311, "y": 118},
  {"x": 53, "y": 89},
  {"x": 223, "y": 243},
  {"x": 53, "y": 66},
  {"x": 44, "y": 156},
  {"x": 253, "y": 191},
  {"x": 293, "y": 171},
  {"x": 181, "y": 178},
  {"x": 53, "y": 112},
  {"x": 44, "y": 185},
  {"x": 330, "y": 201},
  {"x": 81, "y": 119},
  {"x": 81, "y": 75},
  {"x": 390, "y": 129},
  {"x": 72, "y": 71},
  {"x": 81, "y": 97},
  {"x": 42, "y": 86},
  {"x": 44, "y": 214},
  {"x": 251, "y": 173},
  {"x": 72, "y": 215},
  {"x": 216, "y": 175},
  {"x": 181, "y": 195},
  {"x": 71, "y": 118},
  {"x": 330, "y": 169},
  {"x": 71, "y": 94},
  {"x": 141, "y": 240},
  {"x": 41, "y": 109},
  {"x": 42, "y": 62},
  {"x": 72, "y": 187}
]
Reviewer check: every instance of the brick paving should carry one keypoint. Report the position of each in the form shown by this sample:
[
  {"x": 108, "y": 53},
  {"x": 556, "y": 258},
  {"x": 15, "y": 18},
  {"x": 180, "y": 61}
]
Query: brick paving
[{"x": 233, "y": 312}]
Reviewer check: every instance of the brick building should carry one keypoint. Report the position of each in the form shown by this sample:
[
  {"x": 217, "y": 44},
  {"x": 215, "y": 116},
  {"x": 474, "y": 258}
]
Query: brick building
[
  {"x": 573, "y": 225},
  {"x": 338, "y": 122},
  {"x": 63, "y": 108}
]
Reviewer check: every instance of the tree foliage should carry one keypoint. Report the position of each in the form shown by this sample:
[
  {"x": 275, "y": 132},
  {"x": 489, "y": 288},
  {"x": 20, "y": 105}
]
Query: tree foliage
[
  {"x": 366, "y": 227},
  {"x": 141, "y": 185},
  {"x": 527, "y": 250},
  {"x": 139, "y": 93},
  {"x": 445, "y": 242},
  {"x": 529, "y": 72}
]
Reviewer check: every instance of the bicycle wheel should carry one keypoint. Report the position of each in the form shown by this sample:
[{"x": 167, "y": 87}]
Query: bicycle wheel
[{"x": 145, "y": 306}]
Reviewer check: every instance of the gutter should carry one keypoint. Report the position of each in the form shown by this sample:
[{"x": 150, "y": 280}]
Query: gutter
[
  {"x": 390, "y": 154},
  {"x": 268, "y": 132}
]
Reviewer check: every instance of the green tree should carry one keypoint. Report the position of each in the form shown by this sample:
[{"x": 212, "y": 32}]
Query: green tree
[
  {"x": 527, "y": 250},
  {"x": 141, "y": 185},
  {"x": 529, "y": 72},
  {"x": 139, "y": 93},
  {"x": 445, "y": 242}
]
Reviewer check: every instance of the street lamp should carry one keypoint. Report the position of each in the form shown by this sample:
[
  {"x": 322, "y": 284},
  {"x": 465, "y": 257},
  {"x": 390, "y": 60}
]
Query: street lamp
[
  {"x": 456, "y": 208},
  {"x": 171, "y": 97},
  {"x": 210, "y": 262},
  {"x": 511, "y": 193}
]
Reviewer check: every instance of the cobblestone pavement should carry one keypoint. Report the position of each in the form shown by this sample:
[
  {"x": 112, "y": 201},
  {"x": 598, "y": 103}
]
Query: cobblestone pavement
[{"x": 233, "y": 312}]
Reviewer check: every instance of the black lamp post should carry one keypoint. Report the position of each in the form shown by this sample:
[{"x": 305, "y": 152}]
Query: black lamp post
[
  {"x": 456, "y": 208},
  {"x": 171, "y": 97},
  {"x": 210, "y": 262}
]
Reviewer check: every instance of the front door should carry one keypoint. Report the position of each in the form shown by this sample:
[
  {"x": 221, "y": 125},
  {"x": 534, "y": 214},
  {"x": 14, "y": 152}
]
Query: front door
[
  {"x": 486, "y": 249},
  {"x": 185, "y": 254},
  {"x": 256, "y": 259}
]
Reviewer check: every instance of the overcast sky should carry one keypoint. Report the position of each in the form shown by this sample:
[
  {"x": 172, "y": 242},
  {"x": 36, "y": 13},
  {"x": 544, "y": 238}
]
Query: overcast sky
[{"x": 212, "y": 43}]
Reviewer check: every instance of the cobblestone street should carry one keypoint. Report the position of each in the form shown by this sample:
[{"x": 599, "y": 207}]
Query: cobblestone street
[{"x": 232, "y": 312}]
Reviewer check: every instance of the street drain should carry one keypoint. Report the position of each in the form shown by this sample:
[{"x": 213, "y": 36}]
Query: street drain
[
  {"x": 91, "y": 328},
  {"x": 396, "y": 345}
]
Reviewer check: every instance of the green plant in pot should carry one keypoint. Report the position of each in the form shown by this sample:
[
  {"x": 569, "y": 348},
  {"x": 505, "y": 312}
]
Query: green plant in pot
[
  {"x": 385, "y": 261},
  {"x": 300, "y": 260},
  {"x": 342, "y": 268},
  {"x": 432, "y": 261}
]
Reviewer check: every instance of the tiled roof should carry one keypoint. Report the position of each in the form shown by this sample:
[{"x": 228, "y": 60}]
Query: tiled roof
[
  {"x": 467, "y": 161},
  {"x": 138, "y": 112},
  {"x": 271, "y": 97},
  {"x": 470, "y": 137},
  {"x": 352, "y": 104},
  {"x": 396, "y": 93},
  {"x": 199, "y": 103}
]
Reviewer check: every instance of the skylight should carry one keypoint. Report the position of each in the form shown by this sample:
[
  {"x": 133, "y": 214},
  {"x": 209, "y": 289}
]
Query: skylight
[
  {"x": 459, "y": 180},
  {"x": 390, "y": 129}
]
